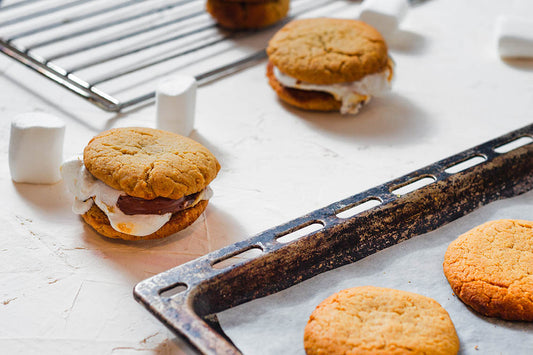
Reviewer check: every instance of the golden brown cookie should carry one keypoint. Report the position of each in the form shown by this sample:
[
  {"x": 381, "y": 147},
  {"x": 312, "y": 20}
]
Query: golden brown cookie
[
  {"x": 490, "y": 268},
  {"x": 375, "y": 320},
  {"x": 148, "y": 163},
  {"x": 328, "y": 51},
  {"x": 327, "y": 64},
  {"x": 179, "y": 221},
  {"x": 249, "y": 14}
]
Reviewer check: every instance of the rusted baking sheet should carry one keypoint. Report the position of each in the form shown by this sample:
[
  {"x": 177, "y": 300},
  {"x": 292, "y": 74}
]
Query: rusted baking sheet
[{"x": 205, "y": 290}]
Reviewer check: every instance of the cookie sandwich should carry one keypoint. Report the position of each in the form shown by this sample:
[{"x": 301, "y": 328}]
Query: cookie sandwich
[
  {"x": 247, "y": 14},
  {"x": 140, "y": 183},
  {"x": 377, "y": 320},
  {"x": 327, "y": 64}
]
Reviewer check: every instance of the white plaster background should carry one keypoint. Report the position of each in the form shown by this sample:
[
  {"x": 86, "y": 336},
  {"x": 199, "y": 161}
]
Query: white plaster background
[{"x": 66, "y": 290}]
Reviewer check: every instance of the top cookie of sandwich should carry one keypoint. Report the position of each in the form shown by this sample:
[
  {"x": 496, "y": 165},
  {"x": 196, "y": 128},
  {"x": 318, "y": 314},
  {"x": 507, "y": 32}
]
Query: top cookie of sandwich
[
  {"x": 327, "y": 51},
  {"x": 150, "y": 163}
]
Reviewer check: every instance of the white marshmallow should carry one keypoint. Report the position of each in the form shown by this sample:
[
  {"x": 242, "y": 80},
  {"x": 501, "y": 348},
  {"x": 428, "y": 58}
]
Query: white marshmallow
[
  {"x": 175, "y": 104},
  {"x": 384, "y": 15},
  {"x": 514, "y": 37},
  {"x": 36, "y": 148}
]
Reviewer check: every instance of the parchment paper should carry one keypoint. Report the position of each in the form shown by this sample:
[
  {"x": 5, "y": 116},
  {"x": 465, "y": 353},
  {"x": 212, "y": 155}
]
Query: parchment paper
[{"x": 274, "y": 324}]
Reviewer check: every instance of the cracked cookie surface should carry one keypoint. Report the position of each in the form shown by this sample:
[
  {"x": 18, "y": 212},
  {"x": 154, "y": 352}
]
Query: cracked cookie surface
[
  {"x": 375, "y": 320},
  {"x": 327, "y": 51},
  {"x": 150, "y": 163},
  {"x": 490, "y": 268}
]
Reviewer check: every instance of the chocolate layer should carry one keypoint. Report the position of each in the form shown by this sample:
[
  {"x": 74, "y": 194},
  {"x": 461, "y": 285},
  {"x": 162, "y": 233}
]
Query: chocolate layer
[{"x": 160, "y": 205}]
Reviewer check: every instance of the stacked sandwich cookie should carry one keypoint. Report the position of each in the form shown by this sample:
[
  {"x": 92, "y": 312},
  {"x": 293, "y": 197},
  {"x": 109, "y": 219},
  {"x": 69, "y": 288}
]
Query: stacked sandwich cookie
[
  {"x": 140, "y": 183},
  {"x": 327, "y": 64},
  {"x": 247, "y": 14}
]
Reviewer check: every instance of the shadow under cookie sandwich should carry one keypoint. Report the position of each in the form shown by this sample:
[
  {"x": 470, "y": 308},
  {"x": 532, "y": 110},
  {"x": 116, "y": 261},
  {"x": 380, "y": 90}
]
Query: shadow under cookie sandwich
[
  {"x": 247, "y": 14},
  {"x": 140, "y": 183},
  {"x": 327, "y": 64}
]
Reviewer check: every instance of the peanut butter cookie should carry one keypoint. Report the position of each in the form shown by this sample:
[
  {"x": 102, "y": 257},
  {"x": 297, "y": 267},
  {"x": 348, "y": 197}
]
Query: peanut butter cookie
[
  {"x": 375, "y": 320},
  {"x": 490, "y": 268},
  {"x": 328, "y": 50},
  {"x": 140, "y": 183},
  {"x": 247, "y": 14},
  {"x": 150, "y": 163},
  {"x": 328, "y": 64}
]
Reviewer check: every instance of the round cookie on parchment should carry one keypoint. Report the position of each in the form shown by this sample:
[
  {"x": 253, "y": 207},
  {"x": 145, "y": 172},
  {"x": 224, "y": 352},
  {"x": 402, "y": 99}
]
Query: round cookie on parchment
[
  {"x": 309, "y": 56},
  {"x": 375, "y": 320},
  {"x": 247, "y": 14},
  {"x": 490, "y": 268}
]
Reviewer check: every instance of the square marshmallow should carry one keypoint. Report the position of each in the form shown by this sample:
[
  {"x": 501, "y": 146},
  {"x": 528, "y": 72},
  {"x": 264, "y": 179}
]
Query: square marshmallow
[{"x": 36, "y": 148}]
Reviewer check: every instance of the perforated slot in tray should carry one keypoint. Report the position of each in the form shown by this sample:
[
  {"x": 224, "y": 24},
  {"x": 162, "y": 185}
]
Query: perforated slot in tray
[
  {"x": 112, "y": 53},
  {"x": 389, "y": 219}
]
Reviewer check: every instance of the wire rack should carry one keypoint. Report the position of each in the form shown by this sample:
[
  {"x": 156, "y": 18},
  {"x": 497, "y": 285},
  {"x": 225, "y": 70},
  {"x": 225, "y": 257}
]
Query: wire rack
[{"x": 112, "y": 53}]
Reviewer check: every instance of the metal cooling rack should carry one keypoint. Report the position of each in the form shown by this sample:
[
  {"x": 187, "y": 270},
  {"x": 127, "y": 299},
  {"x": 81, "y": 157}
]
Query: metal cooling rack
[{"x": 111, "y": 53}]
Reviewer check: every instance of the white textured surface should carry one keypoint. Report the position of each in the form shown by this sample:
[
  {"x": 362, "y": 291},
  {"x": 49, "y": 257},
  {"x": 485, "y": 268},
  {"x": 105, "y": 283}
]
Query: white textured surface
[{"x": 67, "y": 290}]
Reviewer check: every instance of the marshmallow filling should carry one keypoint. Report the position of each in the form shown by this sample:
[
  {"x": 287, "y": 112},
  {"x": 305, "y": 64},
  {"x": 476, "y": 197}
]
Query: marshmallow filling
[
  {"x": 352, "y": 95},
  {"x": 126, "y": 214}
]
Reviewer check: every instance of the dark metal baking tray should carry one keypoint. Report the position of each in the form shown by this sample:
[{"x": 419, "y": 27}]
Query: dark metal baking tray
[{"x": 187, "y": 298}]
